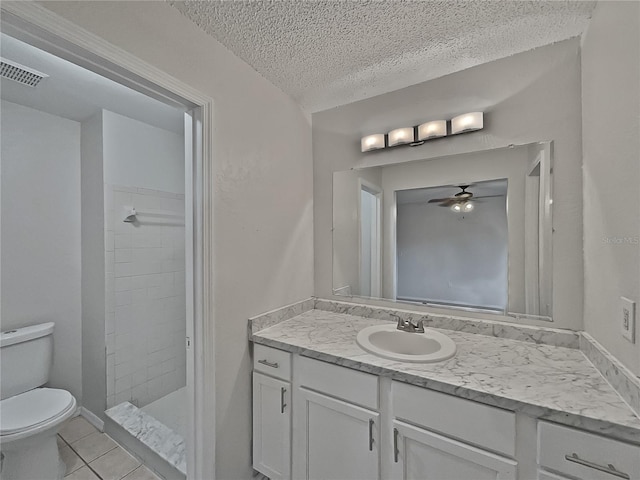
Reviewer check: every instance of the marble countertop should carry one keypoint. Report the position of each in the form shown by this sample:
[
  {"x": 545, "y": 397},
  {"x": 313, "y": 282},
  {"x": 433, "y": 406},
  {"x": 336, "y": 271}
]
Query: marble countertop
[{"x": 544, "y": 381}]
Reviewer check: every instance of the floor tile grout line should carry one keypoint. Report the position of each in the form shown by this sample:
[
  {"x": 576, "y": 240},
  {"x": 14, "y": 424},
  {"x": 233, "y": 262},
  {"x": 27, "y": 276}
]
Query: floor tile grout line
[
  {"x": 84, "y": 464},
  {"x": 87, "y": 464}
]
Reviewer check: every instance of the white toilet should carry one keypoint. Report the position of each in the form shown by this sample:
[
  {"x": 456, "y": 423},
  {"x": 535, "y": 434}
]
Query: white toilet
[{"x": 30, "y": 416}]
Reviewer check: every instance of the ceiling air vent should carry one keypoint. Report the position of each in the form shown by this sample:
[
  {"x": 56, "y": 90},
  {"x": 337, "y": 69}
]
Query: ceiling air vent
[{"x": 19, "y": 73}]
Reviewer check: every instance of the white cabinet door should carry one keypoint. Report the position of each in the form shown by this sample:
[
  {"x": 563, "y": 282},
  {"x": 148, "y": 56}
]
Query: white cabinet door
[
  {"x": 334, "y": 440},
  {"x": 544, "y": 475},
  {"x": 423, "y": 455},
  {"x": 271, "y": 427}
]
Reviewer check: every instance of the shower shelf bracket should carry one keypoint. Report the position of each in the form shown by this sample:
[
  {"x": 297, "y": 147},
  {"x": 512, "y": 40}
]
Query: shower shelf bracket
[{"x": 131, "y": 214}]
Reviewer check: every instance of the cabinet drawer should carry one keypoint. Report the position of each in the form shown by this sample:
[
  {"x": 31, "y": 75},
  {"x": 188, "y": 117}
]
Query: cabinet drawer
[
  {"x": 584, "y": 455},
  {"x": 272, "y": 361},
  {"x": 350, "y": 385},
  {"x": 489, "y": 427}
]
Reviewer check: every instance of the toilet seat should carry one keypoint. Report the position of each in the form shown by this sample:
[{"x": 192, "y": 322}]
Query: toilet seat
[{"x": 33, "y": 411}]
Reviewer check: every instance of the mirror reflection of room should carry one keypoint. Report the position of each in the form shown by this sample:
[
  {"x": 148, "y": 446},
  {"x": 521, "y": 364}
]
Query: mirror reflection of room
[
  {"x": 449, "y": 232},
  {"x": 452, "y": 245}
]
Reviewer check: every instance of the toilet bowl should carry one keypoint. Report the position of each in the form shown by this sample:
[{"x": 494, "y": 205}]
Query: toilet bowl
[
  {"x": 30, "y": 415},
  {"x": 29, "y": 423}
]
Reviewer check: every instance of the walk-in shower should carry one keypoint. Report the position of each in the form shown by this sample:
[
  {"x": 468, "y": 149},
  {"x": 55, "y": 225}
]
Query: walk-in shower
[{"x": 145, "y": 307}]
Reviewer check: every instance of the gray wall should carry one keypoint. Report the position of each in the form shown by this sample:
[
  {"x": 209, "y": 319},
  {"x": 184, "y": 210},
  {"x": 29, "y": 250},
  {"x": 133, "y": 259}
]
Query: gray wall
[
  {"x": 611, "y": 173},
  {"x": 529, "y": 97},
  {"x": 140, "y": 155},
  {"x": 453, "y": 257},
  {"x": 93, "y": 268},
  {"x": 41, "y": 233},
  {"x": 263, "y": 221}
]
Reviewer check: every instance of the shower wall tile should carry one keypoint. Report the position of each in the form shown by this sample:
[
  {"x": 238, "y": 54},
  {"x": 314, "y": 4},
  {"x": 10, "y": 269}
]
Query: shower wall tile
[{"x": 146, "y": 295}]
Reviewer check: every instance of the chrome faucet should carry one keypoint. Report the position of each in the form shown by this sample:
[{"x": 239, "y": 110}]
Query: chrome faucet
[{"x": 409, "y": 326}]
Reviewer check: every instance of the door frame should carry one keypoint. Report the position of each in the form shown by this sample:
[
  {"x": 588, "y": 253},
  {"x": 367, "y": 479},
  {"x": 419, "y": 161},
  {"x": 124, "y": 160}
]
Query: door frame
[
  {"x": 42, "y": 28},
  {"x": 375, "y": 285}
]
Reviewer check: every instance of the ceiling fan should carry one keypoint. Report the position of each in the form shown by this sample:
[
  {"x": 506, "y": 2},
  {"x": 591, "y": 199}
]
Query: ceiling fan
[{"x": 461, "y": 201}]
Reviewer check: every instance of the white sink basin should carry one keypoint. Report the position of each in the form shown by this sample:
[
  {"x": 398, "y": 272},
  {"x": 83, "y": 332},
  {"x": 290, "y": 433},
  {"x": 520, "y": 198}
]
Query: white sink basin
[{"x": 387, "y": 341}]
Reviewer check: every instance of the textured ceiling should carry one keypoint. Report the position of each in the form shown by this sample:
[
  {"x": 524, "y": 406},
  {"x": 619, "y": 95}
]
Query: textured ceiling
[{"x": 329, "y": 53}]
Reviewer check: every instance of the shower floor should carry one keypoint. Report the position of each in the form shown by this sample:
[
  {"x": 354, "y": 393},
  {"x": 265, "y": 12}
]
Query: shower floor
[{"x": 171, "y": 410}]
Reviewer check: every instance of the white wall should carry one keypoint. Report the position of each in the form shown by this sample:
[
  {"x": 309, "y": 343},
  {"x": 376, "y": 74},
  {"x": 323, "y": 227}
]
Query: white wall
[
  {"x": 140, "y": 155},
  {"x": 263, "y": 250},
  {"x": 41, "y": 233},
  {"x": 611, "y": 173},
  {"x": 453, "y": 257},
  {"x": 530, "y": 97}
]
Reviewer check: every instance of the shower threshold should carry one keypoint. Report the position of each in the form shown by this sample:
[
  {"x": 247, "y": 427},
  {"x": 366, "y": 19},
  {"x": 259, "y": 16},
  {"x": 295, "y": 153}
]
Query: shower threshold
[{"x": 155, "y": 435}]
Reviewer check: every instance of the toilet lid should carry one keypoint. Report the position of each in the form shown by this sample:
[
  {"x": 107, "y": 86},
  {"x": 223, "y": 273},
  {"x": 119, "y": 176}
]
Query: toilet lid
[{"x": 32, "y": 408}]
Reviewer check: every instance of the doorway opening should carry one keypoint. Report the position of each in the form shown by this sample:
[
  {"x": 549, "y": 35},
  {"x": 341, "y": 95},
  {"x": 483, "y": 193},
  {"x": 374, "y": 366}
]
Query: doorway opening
[
  {"x": 129, "y": 209},
  {"x": 370, "y": 239}
]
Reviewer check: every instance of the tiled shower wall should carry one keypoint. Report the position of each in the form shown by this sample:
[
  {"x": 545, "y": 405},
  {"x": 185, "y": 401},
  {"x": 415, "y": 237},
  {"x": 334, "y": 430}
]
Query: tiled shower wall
[{"x": 145, "y": 296}]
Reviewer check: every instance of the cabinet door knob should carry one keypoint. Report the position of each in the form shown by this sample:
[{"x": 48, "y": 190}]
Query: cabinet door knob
[
  {"x": 371, "y": 434},
  {"x": 610, "y": 469},
  {"x": 283, "y": 392},
  {"x": 396, "y": 452}
]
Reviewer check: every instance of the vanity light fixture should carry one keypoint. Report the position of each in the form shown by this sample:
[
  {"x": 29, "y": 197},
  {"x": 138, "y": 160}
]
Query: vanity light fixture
[
  {"x": 401, "y": 136},
  {"x": 372, "y": 142},
  {"x": 414, "y": 136},
  {"x": 467, "y": 122},
  {"x": 435, "y": 129}
]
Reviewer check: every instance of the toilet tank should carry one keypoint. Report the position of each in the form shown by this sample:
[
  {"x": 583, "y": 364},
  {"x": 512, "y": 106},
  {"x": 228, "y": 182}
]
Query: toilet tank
[{"x": 26, "y": 355}]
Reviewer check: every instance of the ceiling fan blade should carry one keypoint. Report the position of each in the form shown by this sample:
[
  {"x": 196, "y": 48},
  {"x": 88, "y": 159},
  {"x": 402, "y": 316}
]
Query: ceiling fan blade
[
  {"x": 438, "y": 200},
  {"x": 490, "y": 196}
]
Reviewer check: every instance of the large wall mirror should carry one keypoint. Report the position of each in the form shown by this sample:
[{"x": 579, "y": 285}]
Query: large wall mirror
[{"x": 470, "y": 231}]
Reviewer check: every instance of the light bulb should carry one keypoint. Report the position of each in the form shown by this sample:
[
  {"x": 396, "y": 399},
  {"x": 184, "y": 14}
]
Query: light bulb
[
  {"x": 372, "y": 142},
  {"x": 468, "y": 207},
  {"x": 435, "y": 129},
  {"x": 400, "y": 136},
  {"x": 457, "y": 207},
  {"x": 467, "y": 122}
]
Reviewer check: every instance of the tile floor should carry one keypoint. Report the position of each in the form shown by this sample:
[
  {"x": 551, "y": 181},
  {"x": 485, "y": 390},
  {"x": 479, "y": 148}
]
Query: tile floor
[{"x": 92, "y": 455}]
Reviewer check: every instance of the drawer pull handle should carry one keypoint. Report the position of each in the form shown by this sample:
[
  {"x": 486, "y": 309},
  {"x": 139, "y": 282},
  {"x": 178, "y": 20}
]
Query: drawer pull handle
[
  {"x": 610, "y": 469},
  {"x": 395, "y": 445},
  {"x": 283, "y": 391},
  {"x": 268, "y": 363},
  {"x": 371, "y": 435}
]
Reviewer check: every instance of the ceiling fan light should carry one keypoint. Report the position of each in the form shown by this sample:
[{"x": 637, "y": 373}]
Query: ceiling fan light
[
  {"x": 456, "y": 207},
  {"x": 468, "y": 207},
  {"x": 435, "y": 129}
]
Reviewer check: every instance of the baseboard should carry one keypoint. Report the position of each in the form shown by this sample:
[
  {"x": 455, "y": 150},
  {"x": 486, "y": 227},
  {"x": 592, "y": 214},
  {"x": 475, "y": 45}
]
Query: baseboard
[{"x": 92, "y": 419}]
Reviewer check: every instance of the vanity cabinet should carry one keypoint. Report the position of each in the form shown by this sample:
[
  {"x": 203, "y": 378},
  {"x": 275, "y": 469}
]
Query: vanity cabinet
[
  {"x": 420, "y": 454},
  {"x": 315, "y": 420},
  {"x": 336, "y": 423},
  {"x": 334, "y": 439},
  {"x": 438, "y": 436},
  {"x": 568, "y": 452},
  {"x": 272, "y": 413}
]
